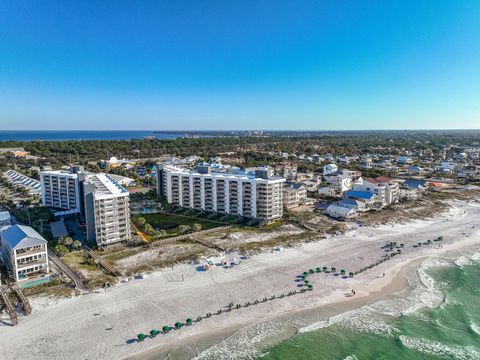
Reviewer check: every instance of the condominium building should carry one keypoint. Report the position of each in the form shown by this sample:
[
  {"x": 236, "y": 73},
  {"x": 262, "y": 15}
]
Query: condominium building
[
  {"x": 17, "y": 179},
  {"x": 254, "y": 195},
  {"x": 294, "y": 194},
  {"x": 24, "y": 252},
  {"x": 386, "y": 191},
  {"x": 107, "y": 211},
  {"x": 61, "y": 190}
]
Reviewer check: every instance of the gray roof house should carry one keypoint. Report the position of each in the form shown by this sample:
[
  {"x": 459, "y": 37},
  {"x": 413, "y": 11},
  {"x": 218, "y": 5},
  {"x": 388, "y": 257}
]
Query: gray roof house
[{"x": 24, "y": 252}]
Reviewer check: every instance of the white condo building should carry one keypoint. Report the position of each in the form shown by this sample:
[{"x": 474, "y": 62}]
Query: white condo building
[
  {"x": 61, "y": 190},
  {"x": 107, "y": 211},
  {"x": 250, "y": 195},
  {"x": 24, "y": 252}
]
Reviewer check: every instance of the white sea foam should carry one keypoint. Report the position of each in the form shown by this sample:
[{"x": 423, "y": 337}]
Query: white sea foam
[
  {"x": 362, "y": 319},
  {"x": 476, "y": 257},
  {"x": 242, "y": 344},
  {"x": 351, "y": 357},
  {"x": 463, "y": 261},
  {"x": 435, "y": 348},
  {"x": 475, "y": 328}
]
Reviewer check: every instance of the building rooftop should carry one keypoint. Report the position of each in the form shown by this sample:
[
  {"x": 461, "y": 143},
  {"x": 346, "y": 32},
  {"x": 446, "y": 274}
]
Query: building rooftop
[
  {"x": 58, "y": 229},
  {"x": 21, "y": 236},
  {"x": 4, "y": 215},
  {"x": 105, "y": 185},
  {"x": 233, "y": 176},
  {"x": 360, "y": 194}
]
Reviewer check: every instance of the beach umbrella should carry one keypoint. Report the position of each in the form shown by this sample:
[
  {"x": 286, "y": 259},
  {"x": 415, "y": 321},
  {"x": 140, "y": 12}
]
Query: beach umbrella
[
  {"x": 310, "y": 287},
  {"x": 325, "y": 269},
  {"x": 334, "y": 269},
  {"x": 350, "y": 274},
  {"x": 402, "y": 245},
  {"x": 307, "y": 282},
  {"x": 419, "y": 244},
  {"x": 342, "y": 272},
  {"x": 154, "y": 333},
  {"x": 311, "y": 271},
  {"x": 189, "y": 321},
  {"x": 141, "y": 337},
  {"x": 178, "y": 325},
  {"x": 318, "y": 270},
  {"x": 305, "y": 273},
  {"x": 166, "y": 328},
  {"x": 399, "y": 251}
]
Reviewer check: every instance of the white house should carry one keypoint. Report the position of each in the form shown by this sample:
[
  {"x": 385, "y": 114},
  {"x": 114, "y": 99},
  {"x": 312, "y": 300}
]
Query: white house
[
  {"x": 24, "y": 252},
  {"x": 448, "y": 166},
  {"x": 330, "y": 169},
  {"x": 340, "y": 212},
  {"x": 4, "y": 219}
]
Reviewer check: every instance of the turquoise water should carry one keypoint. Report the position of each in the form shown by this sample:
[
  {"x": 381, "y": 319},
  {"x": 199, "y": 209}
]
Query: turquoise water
[{"x": 440, "y": 319}]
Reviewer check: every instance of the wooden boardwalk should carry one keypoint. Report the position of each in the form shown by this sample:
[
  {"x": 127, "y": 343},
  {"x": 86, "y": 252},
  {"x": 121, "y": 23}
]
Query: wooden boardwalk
[
  {"x": 27, "y": 308},
  {"x": 103, "y": 263},
  {"x": 10, "y": 308},
  {"x": 78, "y": 281}
]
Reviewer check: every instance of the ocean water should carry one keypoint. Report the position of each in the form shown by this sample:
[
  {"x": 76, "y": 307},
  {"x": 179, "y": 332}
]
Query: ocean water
[
  {"x": 82, "y": 135},
  {"x": 439, "y": 319}
]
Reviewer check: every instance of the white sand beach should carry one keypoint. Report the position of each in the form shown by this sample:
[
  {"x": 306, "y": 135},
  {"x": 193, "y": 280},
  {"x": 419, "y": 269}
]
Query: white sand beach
[{"x": 102, "y": 325}]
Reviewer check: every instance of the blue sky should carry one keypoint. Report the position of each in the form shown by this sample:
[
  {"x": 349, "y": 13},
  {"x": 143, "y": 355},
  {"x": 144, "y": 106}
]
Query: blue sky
[{"x": 247, "y": 64}]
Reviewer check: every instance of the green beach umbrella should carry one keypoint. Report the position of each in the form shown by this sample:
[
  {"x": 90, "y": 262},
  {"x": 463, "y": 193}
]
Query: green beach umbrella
[{"x": 141, "y": 337}]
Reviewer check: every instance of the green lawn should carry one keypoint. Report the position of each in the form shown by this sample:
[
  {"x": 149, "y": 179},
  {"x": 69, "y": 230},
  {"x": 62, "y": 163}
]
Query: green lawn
[{"x": 171, "y": 222}]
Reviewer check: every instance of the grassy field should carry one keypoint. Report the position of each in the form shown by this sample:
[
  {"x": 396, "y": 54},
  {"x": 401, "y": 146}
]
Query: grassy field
[{"x": 170, "y": 222}]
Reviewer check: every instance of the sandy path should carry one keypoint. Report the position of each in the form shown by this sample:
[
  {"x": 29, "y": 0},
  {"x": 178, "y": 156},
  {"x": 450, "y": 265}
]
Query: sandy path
[{"x": 98, "y": 326}]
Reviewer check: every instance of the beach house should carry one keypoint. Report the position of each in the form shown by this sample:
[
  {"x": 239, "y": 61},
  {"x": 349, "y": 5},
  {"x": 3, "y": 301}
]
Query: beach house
[{"x": 24, "y": 252}]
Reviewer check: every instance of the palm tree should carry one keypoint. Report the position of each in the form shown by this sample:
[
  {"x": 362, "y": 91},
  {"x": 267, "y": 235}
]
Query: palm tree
[
  {"x": 77, "y": 245},
  {"x": 67, "y": 241},
  {"x": 183, "y": 229},
  {"x": 196, "y": 227}
]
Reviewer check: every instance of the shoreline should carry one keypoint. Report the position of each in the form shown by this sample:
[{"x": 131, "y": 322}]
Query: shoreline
[
  {"x": 109, "y": 321},
  {"x": 396, "y": 283}
]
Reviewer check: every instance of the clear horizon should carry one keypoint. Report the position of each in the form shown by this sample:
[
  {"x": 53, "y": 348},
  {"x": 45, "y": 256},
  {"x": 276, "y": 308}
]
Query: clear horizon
[{"x": 330, "y": 65}]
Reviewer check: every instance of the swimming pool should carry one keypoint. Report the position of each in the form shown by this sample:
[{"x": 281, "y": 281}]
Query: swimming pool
[{"x": 36, "y": 282}]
